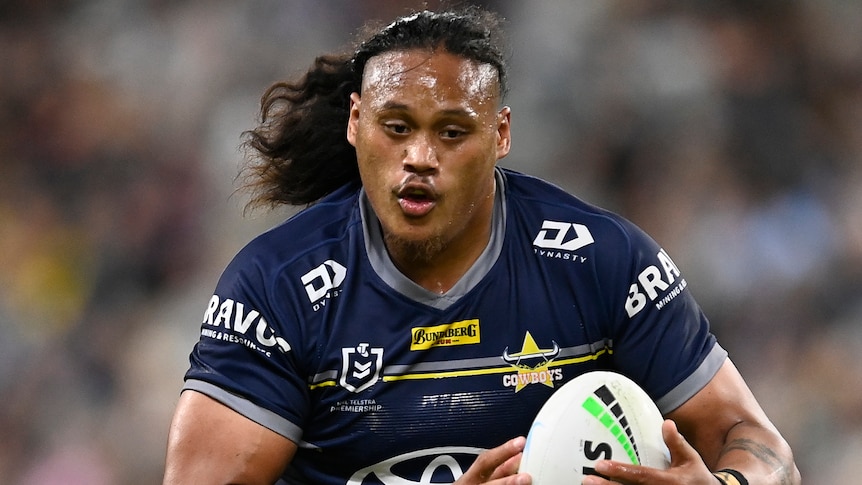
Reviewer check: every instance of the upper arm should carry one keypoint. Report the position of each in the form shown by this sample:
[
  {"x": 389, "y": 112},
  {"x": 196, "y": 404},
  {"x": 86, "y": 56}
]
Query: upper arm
[
  {"x": 724, "y": 404},
  {"x": 211, "y": 443}
]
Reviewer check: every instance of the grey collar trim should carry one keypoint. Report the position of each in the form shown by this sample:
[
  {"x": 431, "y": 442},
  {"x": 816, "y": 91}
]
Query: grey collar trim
[{"x": 389, "y": 273}]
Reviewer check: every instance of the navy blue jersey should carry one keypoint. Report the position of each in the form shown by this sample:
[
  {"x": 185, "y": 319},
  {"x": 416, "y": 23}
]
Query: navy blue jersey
[{"x": 313, "y": 333}]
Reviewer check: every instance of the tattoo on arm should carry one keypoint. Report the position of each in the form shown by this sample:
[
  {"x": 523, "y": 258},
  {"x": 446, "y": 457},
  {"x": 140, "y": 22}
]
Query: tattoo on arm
[{"x": 762, "y": 453}]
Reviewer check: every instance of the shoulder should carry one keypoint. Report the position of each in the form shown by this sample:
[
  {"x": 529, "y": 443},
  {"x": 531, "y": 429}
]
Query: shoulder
[
  {"x": 612, "y": 255},
  {"x": 319, "y": 229},
  {"x": 555, "y": 217}
]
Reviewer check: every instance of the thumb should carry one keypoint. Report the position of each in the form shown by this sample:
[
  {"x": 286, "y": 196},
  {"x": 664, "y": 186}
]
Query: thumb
[{"x": 680, "y": 450}]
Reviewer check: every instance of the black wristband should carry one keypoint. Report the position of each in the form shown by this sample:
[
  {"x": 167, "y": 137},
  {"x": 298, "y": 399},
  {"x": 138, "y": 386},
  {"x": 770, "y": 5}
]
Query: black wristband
[{"x": 730, "y": 477}]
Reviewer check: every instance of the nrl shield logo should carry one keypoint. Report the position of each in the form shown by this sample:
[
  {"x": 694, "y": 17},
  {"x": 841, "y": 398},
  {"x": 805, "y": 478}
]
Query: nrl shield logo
[{"x": 360, "y": 367}]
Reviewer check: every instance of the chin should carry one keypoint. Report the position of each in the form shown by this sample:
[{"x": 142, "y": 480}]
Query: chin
[{"x": 416, "y": 247}]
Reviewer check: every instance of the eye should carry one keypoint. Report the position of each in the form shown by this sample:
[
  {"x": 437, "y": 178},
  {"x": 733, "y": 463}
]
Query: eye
[
  {"x": 396, "y": 128},
  {"x": 452, "y": 133}
]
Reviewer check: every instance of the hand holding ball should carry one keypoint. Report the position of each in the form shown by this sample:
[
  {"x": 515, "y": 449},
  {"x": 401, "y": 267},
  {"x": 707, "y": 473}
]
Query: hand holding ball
[{"x": 599, "y": 415}]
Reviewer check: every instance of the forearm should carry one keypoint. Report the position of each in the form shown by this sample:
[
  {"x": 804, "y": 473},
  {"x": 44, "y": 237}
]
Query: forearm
[
  {"x": 760, "y": 454},
  {"x": 728, "y": 428}
]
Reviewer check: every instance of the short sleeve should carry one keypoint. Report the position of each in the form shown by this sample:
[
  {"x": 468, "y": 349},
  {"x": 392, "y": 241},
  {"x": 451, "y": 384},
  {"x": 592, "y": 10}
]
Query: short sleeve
[
  {"x": 661, "y": 337},
  {"x": 246, "y": 357}
]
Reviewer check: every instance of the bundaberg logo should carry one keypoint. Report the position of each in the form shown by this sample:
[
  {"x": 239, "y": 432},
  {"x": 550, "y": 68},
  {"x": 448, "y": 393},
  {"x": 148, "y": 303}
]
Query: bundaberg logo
[{"x": 446, "y": 335}]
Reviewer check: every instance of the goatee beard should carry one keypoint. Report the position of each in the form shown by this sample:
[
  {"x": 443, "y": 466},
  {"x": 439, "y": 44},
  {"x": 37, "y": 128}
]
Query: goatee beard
[{"x": 412, "y": 251}]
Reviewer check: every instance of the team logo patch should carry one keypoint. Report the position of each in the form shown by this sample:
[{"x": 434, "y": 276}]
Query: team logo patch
[
  {"x": 449, "y": 334},
  {"x": 360, "y": 367},
  {"x": 532, "y": 364}
]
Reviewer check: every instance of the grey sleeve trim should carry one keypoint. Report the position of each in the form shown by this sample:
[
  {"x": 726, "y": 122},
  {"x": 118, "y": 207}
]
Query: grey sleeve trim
[
  {"x": 694, "y": 382},
  {"x": 259, "y": 415}
]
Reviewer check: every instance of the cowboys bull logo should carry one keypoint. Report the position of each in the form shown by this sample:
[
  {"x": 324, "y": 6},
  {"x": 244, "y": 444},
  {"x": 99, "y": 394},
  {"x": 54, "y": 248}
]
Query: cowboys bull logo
[
  {"x": 360, "y": 367},
  {"x": 533, "y": 365}
]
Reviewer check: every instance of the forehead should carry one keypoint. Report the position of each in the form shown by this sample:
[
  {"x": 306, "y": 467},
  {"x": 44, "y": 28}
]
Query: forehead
[{"x": 423, "y": 72}]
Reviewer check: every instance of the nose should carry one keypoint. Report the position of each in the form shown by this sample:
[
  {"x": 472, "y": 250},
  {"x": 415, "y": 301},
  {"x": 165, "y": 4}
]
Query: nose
[{"x": 420, "y": 156}]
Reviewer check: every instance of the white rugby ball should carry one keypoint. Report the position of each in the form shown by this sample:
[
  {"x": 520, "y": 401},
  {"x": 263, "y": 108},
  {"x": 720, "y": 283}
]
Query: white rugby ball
[{"x": 599, "y": 415}]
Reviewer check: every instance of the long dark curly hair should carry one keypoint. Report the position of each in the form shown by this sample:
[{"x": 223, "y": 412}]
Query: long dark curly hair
[{"x": 299, "y": 152}]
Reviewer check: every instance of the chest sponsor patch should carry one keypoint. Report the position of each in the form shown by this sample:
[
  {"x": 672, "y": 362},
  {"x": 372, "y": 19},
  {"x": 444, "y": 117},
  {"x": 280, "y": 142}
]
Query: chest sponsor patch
[{"x": 448, "y": 334}]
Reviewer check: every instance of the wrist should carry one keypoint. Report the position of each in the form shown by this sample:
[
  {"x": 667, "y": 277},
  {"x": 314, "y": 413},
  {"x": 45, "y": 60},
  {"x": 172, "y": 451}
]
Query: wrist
[{"x": 729, "y": 476}]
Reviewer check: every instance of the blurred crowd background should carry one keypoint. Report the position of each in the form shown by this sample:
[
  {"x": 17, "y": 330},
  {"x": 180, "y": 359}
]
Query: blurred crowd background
[{"x": 730, "y": 130}]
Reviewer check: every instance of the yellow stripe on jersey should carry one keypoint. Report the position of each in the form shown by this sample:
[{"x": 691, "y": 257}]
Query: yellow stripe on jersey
[{"x": 503, "y": 369}]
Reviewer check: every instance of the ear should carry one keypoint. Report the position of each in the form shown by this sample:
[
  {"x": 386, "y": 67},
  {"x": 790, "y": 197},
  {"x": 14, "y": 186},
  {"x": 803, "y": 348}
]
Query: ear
[
  {"x": 504, "y": 132},
  {"x": 353, "y": 119}
]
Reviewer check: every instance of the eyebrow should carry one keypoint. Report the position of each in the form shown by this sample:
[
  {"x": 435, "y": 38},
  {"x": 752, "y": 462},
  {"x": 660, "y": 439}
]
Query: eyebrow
[{"x": 396, "y": 106}]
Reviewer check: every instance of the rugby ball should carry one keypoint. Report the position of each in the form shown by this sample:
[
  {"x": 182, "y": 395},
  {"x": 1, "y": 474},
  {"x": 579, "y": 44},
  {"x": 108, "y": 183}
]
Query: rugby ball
[{"x": 599, "y": 415}]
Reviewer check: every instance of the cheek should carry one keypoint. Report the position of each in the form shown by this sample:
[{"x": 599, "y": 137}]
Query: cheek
[
  {"x": 478, "y": 164},
  {"x": 481, "y": 169},
  {"x": 368, "y": 153},
  {"x": 380, "y": 160},
  {"x": 374, "y": 172},
  {"x": 370, "y": 170}
]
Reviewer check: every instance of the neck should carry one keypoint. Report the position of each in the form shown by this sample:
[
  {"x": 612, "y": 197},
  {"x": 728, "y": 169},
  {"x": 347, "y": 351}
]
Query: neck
[
  {"x": 437, "y": 264},
  {"x": 434, "y": 265}
]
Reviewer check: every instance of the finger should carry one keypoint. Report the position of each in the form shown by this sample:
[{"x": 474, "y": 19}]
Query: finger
[
  {"x": 680, "y": 450},
  {"x": 594, "y": 480},
  {"x": 626, "y": 473},
  {"x": 497, "y": 462},
  {"x": 509, "y": 467}
]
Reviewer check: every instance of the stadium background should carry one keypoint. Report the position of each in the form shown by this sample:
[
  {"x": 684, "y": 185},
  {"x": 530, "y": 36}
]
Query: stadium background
[{"x": 731, "y": 131}]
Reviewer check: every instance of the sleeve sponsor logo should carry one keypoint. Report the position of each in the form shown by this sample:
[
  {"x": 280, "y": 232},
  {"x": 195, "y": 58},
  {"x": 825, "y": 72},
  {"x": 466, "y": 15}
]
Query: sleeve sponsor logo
[
  {"x": 241, "y": 326},
  {"x": 652, "y": 285},
  {"x": 458, "y": 333}
]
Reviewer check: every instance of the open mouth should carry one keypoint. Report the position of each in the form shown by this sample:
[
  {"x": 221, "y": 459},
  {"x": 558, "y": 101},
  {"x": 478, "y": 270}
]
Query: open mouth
[{"x": 416, "y": 200}]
